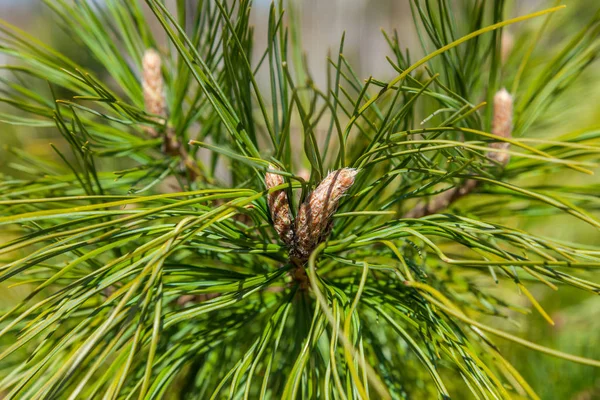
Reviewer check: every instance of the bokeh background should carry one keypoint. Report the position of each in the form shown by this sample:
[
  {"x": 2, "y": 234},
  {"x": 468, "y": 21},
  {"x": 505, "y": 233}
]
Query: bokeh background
[{"x": 577, "y": 315}]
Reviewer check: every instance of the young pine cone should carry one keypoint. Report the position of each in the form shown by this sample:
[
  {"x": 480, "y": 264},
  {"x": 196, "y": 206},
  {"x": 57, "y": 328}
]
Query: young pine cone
[
  {"x": 314, "y": 222},
  {"x": 502, "y": 125},
  {"x": 279, "y": 207},
  {"x": 153, "y": 85}
]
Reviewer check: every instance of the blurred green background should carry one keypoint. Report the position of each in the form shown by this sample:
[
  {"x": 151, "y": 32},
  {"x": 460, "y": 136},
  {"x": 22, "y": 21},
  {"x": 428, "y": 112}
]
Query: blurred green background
[{"x": 577, "y": 315}]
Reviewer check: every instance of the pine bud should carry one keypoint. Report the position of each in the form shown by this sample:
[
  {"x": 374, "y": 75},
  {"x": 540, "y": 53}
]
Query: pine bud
[
  {"x": 506, "y": 45},
  {"x": 153, "y": 85},
  {"x": 314, "y": 221},
  {"x": 502, "y": 125},
  {"x": 279, "y": 207}
]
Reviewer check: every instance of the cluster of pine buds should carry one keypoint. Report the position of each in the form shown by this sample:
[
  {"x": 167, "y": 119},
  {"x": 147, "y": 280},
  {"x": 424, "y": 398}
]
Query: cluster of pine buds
[{"x": 314, "y": 220}]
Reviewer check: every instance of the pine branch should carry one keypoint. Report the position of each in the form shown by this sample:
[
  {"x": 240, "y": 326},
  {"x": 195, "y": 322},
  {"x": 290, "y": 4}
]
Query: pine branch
[
  {"x": 501, "y": 127},
  {"x": 266, "y": 276}
]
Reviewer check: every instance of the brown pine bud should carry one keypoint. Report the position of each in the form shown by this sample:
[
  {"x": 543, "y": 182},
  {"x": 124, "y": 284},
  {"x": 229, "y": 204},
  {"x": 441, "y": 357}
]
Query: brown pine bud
[
  {"x": 279, "y": 207},
  {"x": 153, "y": 86},
  {"x": 314, "y": 221},
  {"x": 502, "y": 125}
]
